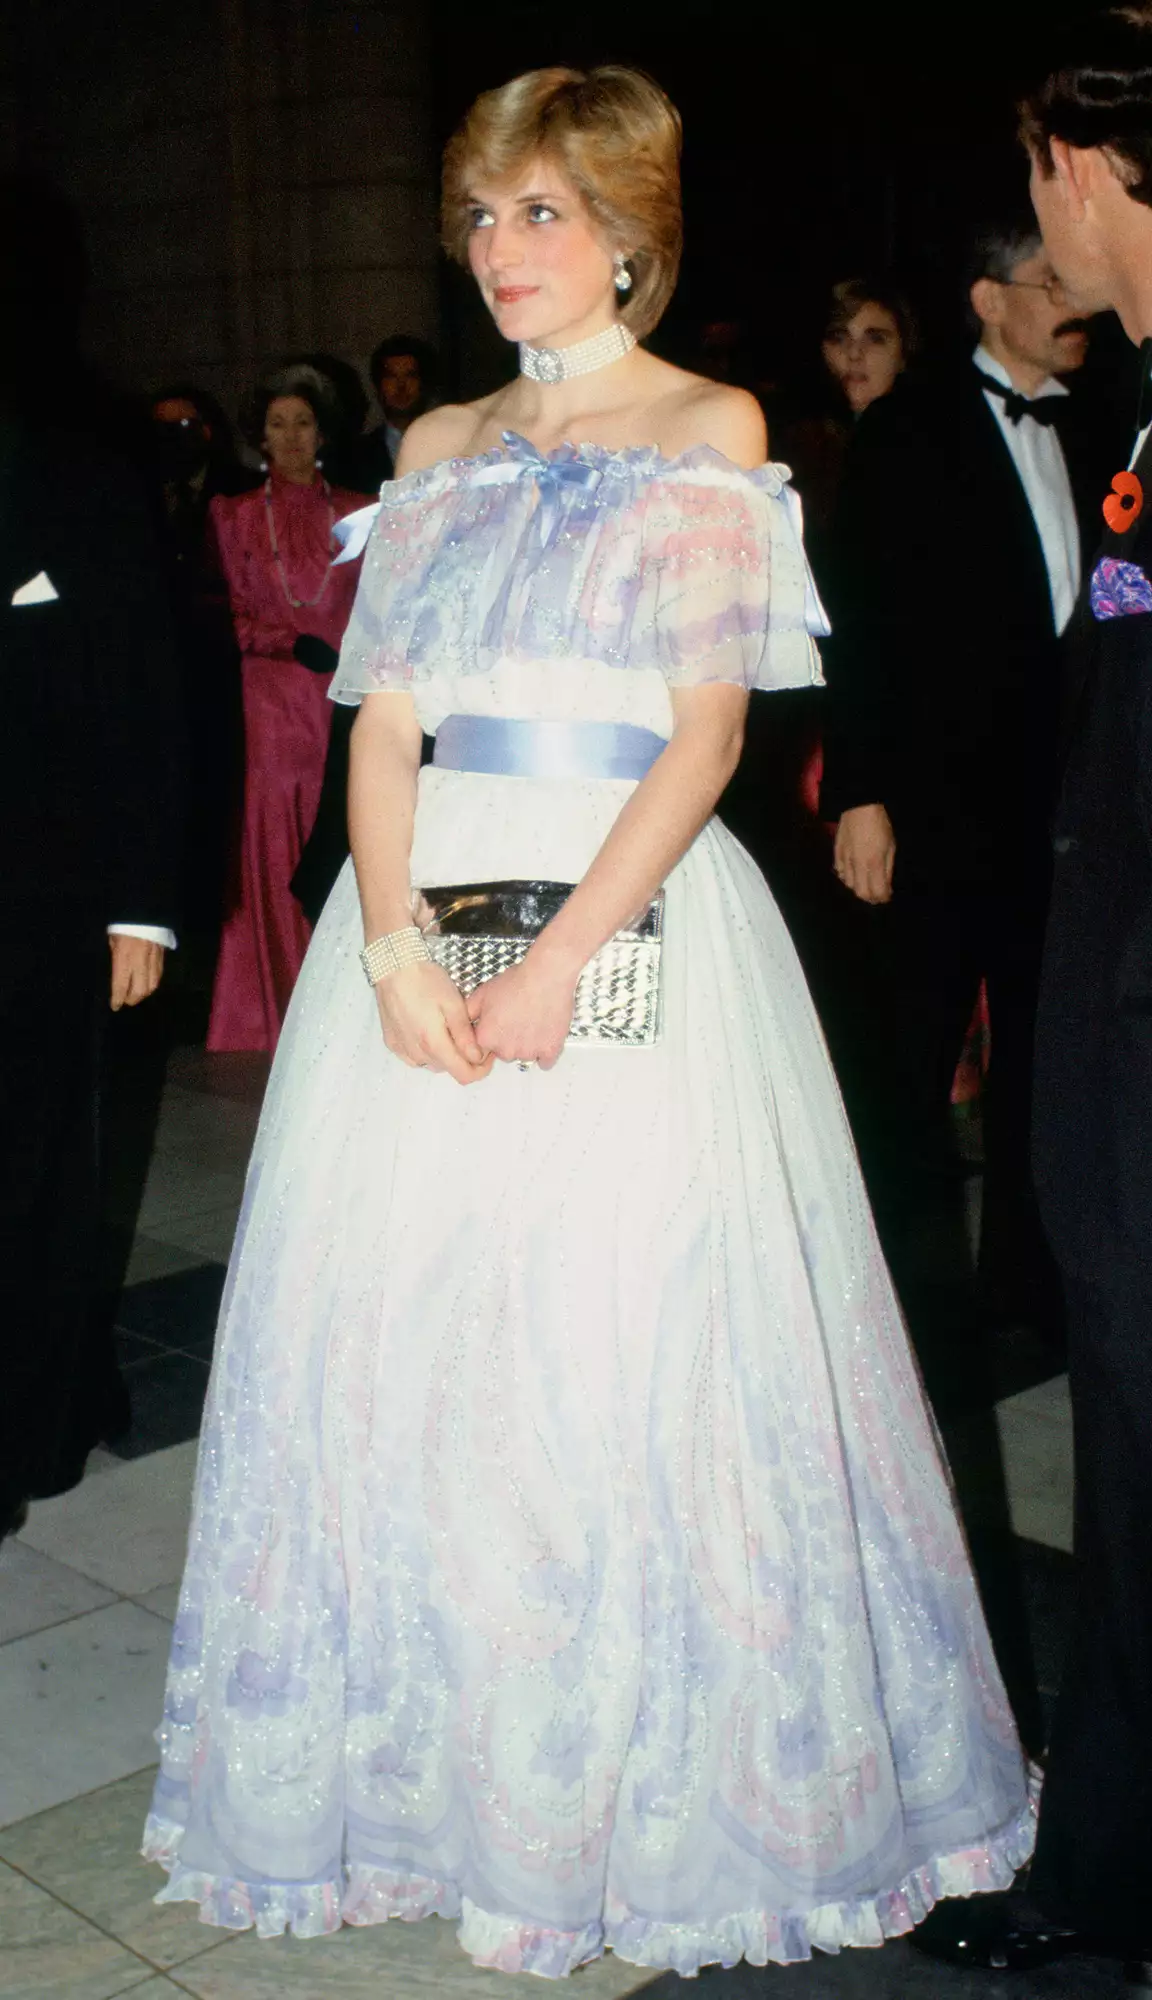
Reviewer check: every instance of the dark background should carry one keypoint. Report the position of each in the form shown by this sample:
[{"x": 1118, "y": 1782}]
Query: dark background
[
  {"x": 257, "y": 178},
  {"x": 820, "y": 141}
]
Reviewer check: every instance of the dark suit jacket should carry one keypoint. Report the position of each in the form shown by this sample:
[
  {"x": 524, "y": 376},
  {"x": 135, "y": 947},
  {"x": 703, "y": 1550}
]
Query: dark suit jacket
[
  {"x": 90, "y": 746},
  {"x": 1093, "y": 1121},
  {"x": 184, "y": 529},
  {"x": 944, "y": 666},
  {"x": 363, "y": 463}
]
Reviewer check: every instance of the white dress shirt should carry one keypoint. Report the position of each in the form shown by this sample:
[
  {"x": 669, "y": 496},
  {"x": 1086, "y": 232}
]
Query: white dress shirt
[
  {"x": 1038, "y": 456},
  {"x": 152, "y": 934}
]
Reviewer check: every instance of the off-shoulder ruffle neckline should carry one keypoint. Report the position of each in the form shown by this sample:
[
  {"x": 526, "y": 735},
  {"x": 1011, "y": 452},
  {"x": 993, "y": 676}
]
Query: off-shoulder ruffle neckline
[{"x": 639, "y": 458}]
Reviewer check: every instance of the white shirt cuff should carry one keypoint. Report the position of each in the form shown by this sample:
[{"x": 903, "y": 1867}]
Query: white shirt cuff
[{"x": 151, "y": 932}]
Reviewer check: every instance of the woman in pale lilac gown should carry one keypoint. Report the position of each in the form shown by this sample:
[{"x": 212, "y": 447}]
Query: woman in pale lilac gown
[
  {"x": 289, "y": 607},
  {"x": 572, "y": 1554}
]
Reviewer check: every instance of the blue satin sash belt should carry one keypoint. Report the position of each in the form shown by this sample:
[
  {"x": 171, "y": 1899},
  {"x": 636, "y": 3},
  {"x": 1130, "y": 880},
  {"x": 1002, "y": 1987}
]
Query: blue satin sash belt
[{"x": 511, "y": 749}]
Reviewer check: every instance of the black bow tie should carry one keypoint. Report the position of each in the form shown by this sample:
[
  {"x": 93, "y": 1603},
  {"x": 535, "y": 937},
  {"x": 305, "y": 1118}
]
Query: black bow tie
[
  {"x": 1144, "y": 408},
  {"x": 1045, "y": 409}
]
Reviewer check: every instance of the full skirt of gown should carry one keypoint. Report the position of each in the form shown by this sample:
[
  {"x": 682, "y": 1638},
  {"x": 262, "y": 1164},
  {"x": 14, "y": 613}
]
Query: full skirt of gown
[{"x": 571, "y": 1549}]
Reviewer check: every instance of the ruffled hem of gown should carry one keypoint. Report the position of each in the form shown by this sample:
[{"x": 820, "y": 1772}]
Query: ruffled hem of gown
[{"x": 501, "y": 1943}]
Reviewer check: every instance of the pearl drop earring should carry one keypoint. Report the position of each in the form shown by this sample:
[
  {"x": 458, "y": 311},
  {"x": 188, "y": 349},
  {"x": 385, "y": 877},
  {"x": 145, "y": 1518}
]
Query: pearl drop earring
[{"x": 623, "y": 274}]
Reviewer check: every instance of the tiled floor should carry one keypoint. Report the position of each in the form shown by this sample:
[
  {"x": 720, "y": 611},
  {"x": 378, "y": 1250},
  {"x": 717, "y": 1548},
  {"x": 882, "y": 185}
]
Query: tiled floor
[{"x": 87, "y": 1594}]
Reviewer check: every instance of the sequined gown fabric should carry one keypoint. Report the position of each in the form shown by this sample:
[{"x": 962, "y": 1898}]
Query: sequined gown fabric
[
  {"x": 287, "y": 719},
  {"x": 571, "y": 1551}
]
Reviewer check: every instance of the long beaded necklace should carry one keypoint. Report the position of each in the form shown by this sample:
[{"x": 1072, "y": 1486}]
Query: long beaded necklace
[{"x": 297, "y": 603}]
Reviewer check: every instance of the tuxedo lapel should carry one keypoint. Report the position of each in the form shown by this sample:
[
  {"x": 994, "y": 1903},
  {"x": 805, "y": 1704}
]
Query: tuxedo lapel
[
  {"x": 28, "y": 514},
  {"x": 1091, "y": 639},
  {"x": 1131, "y": 541},
  {"x": 1011, "y": 525},
  {"x": 1091, "y": 453},
  {"x": 1121, "y": 573},
  {"x": 13, "y": 533}
]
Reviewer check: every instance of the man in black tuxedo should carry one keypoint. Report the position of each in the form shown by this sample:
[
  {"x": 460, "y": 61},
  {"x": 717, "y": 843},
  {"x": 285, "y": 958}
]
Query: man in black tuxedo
[
  {"x": 193, "y": 461},
  {"x": 958, "y": 551},
  {"x": 1088, "y": 128},
  {"x": 89, "y": 835}
]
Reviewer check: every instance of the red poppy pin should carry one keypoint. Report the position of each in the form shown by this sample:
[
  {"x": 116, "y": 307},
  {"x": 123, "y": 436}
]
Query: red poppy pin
[{"x": 1123, "y": 506}]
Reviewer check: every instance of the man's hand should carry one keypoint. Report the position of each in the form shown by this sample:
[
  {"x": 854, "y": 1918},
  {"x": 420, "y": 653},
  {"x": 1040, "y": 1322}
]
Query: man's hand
[
  {"x": 137, "y": 968},
  {"x": 864, "y": 853}
]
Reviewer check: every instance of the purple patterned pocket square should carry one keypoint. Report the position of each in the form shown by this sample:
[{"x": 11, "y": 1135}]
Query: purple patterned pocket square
[{"x": 1119, "y": 589}]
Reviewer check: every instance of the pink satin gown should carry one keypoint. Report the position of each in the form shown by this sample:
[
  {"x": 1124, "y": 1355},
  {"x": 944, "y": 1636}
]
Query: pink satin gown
[{"x": 287, "y": 718}]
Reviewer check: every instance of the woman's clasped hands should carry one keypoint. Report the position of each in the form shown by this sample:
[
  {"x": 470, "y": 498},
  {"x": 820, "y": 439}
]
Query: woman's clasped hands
[
  {"x": 524, "y": 1014},
  {"x": 521, "y": 1016}
]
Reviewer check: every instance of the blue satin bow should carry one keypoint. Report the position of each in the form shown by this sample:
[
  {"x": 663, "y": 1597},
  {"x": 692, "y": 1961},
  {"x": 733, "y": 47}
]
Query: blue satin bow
[
  {"x": 559, "y": 468},
  {"x": 552, "y": 473}
]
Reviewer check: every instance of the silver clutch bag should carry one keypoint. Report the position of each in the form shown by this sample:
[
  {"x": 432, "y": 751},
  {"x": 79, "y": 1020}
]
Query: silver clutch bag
[{"x": 477, "y": 929}]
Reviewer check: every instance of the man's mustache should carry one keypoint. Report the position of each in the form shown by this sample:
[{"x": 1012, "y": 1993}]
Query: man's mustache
[{"x": 1071, "y": 326}]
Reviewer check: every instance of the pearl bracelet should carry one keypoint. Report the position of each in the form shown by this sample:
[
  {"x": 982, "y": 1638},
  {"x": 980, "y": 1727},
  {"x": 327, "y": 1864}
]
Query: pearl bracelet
[{"x": 388, "y": 954}]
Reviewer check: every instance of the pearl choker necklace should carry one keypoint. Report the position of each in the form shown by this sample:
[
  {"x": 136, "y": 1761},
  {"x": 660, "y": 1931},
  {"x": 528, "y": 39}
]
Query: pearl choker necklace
[{"x": 560, "y": 364}]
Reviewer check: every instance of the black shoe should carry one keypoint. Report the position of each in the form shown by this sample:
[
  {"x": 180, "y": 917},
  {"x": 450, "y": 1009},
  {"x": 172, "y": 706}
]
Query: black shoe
[
  {"x": 1000, "y": 1933},
  {"x": 1006, "y": 1306},
  {"x": 13, "y": 1517},
  {"x": 1007, "y": 1933},
  {"x": 61, "y": 1477}
]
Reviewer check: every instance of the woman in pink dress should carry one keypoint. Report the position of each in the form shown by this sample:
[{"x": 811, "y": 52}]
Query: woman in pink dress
[{"x": 290, "y": 608}]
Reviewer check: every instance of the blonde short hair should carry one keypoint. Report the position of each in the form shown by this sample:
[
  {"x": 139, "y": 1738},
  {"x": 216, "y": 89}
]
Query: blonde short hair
[{"x": 616, "y": 138}]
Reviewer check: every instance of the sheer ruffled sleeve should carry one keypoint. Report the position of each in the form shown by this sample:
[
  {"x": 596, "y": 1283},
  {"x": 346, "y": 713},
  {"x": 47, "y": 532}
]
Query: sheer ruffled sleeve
[
  {"x": 419, "y": 605},
  {"x": 690, "y": 566},
  {"x": 726, "y": 593}
]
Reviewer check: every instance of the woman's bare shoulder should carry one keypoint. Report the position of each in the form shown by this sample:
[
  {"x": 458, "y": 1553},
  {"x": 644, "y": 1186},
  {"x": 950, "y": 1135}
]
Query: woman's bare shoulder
[
  {"x": 698, "y": 412},
  {"x": 451, "y": 431}
]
